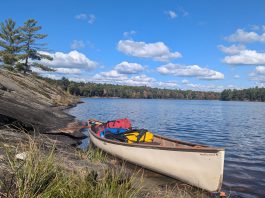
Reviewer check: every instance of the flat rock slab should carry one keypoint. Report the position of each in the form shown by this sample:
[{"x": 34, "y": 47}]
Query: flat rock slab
[{"x": 31, "y": 100}]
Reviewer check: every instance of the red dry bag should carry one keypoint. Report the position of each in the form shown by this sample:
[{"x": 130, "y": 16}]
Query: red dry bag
[{"x": 121, "y": 123}]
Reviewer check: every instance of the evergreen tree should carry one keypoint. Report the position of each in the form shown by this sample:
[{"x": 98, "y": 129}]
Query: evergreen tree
[
  {"x": 10, "y": 44},
  {"x": 31, "y": 49}
]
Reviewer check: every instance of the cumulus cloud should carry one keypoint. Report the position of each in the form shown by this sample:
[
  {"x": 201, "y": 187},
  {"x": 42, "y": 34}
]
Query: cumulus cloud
[
  {"x": 258, "y": 74},
  {"x": 109, "y": 76},
  {"x": 190, "y": 71},
  {"x": 246, "y": 37},
  {"x": 171, "y": 14},
  {"x": 129, "y": 33},
  {"x": 167, "y": 85},
  {"x": 76, "y": 44},
  {"x": 128, "y": 68},
  {"x": 90, "y": 18},
  {"x": 113, "y": 77},
  {"x": 73, "y": 59},
  {"x": 52, "y": 76},
  {"x": 260, "y": 70},
  {"x": 68, "y": 70},
  {"x": 255, "y": 27},
  {"x": 157, "y": 51},
  {"x": 246, "y": 57},
  {"x": 233, "y": 49}
]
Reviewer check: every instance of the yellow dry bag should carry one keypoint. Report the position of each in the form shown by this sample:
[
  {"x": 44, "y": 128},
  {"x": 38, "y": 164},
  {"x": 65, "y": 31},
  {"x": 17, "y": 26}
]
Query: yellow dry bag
[{"x": 136, "y": 136}]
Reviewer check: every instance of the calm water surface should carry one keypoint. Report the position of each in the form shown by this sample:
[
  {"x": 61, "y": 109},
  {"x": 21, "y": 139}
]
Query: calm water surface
[{"x": 239, "y": 127}]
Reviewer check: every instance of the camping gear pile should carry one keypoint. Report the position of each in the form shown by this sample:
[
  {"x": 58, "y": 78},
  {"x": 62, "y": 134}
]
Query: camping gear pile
[{"x": 121, "y": 130}]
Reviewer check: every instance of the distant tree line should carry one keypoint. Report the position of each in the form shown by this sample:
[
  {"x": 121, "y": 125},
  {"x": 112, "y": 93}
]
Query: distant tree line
[
  {"x": 124, "y": 91},
  {"x": 251, "y": 94},
  {"x": 19, "y": 47}
]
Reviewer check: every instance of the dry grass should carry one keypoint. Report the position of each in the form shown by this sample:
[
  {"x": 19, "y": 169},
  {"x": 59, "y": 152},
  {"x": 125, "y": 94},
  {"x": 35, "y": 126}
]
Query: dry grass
[{"x": 39, "y": 176}]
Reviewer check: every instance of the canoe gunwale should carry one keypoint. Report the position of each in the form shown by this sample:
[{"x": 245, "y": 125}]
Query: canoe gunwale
[{"x": 177, "y": 148}]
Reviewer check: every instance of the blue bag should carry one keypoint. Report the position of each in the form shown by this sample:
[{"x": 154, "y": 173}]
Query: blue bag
[{"x": 113, "y": 130}]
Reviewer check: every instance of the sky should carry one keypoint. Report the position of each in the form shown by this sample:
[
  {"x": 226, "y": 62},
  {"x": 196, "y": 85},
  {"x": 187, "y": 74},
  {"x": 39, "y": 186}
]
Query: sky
[{"x": 207, "y": 45}]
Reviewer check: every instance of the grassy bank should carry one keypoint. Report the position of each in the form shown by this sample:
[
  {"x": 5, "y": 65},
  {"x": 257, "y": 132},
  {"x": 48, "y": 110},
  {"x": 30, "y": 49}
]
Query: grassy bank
[{"x": 39, "y": 175}]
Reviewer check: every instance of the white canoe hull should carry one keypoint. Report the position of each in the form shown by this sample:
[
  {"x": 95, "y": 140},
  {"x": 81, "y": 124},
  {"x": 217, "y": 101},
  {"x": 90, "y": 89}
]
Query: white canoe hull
[{"x": 200, "y": 168}]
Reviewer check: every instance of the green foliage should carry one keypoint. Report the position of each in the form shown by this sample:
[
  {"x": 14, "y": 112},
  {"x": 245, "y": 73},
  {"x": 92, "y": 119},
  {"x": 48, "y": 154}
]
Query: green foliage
[
  {"x": 251, "y": 94},
  {"x": 10, "y": 43},
  {"x": 19, "y": 47},
  {"x": 123, "y": 91},
  {"x": 30, "y": 49}
]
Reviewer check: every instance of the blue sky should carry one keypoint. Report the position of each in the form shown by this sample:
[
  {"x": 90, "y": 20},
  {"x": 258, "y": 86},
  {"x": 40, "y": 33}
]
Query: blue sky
[{"x": 198, "y": 45}]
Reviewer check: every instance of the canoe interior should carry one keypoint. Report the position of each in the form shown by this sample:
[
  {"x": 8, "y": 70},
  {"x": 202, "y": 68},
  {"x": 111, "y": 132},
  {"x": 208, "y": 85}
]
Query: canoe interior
[{"x": 164, "y": 142}]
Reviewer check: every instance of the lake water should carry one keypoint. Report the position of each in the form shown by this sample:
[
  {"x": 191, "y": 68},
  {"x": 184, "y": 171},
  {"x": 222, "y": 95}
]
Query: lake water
[{"x": 239, "y": 127}]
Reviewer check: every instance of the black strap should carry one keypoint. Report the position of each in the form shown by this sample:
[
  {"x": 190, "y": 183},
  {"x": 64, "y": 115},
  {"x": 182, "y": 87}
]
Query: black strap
[
  {"x": 119, "y": 137},
  {"x": 142, "y": 132},
  {"x": 122, "y": 136}
]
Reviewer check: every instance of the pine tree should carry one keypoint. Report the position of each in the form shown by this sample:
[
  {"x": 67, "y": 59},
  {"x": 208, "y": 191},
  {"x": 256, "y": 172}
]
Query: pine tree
[
  {"x": 31, "y": 49},
  {"x": 10, "y": 43}
]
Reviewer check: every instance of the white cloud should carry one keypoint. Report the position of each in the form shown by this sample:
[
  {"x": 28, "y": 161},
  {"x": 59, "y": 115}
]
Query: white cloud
[
  {"x": 233, "y": 49},
  {"x": 260, "y": 70},
  {"x": 73, "y": 59},
  {"x": 57, "y": 71},
  {"x": 130, "y": 33},
  {"x": 128, "y": 68},
  {"x": 77, "y": 79},
  {"x": 180, "y": 12},
  {"x": 167, "y": 85},
  {"x": 236, "y": 76},
  {"x": 76, "y": 44},
  {"x": 258, "y": 74},
  {"x": 171, "y": 14},
  {"x": 110, "y": 75},
  {"x": 209, "y": 87},
  {"x": 52, "y": 76},
  {"x": 141, "y": 80},
  {"x": 81, "y": 16},
  {"x": 90, "y": 18},
  {"x": 185, "y": 81},
  {"x": 113, "y": 77},
  {"x": 245, "y": 37},
  {"x": 68, "y": 70},
  {"x": 157, "y": 51},
  {"x": 191, "y": 71},
  {"x": 255, "y": 27},
  {"x": 200, "y": 87},
  {"x": 246, "y": 57}
]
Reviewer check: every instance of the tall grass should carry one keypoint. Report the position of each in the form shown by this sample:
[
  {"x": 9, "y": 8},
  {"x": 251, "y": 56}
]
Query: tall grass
[
  {"x": 40, "y": 176},
  {"x": 93, "y": 155},
  {"x": 179, "y": 191}
]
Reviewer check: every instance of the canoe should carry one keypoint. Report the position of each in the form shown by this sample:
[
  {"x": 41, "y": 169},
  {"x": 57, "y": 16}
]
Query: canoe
[{"x": 198, "y": 165}]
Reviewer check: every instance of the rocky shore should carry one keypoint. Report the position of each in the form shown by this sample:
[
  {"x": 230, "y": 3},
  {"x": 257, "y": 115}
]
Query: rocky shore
[{"x": 32, "y": 109}]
